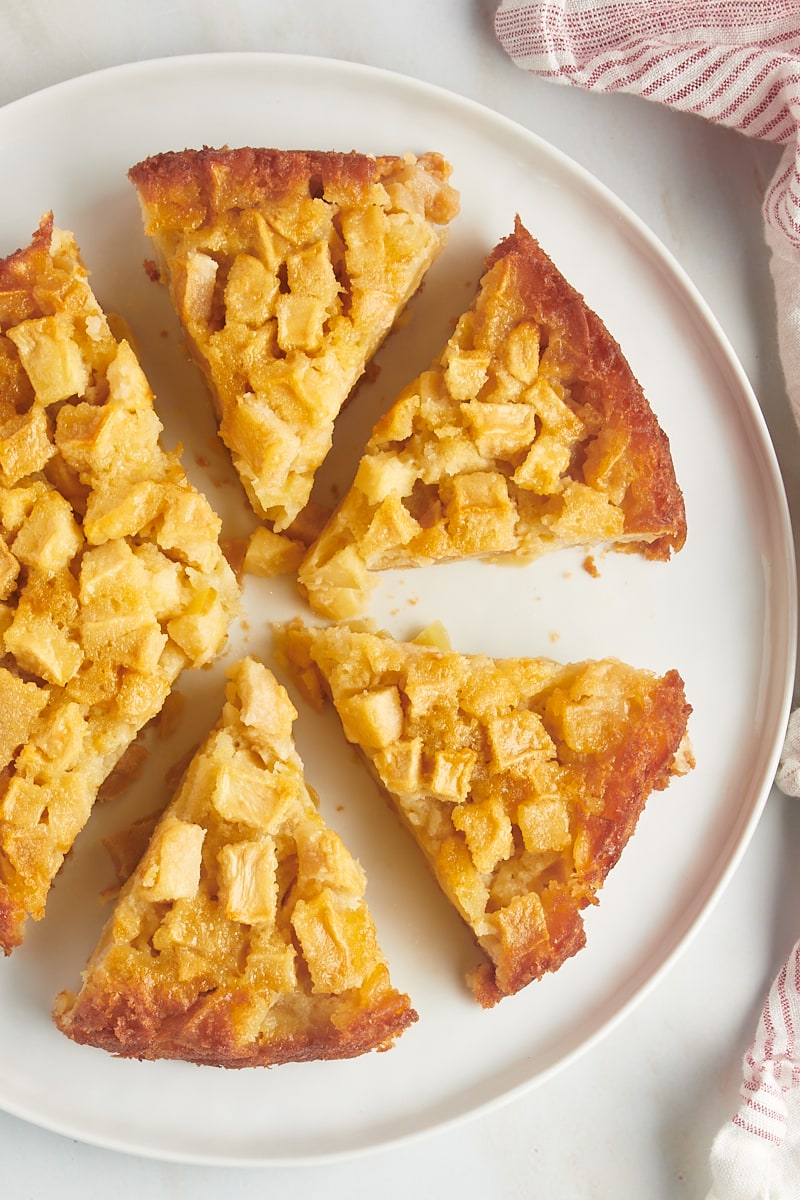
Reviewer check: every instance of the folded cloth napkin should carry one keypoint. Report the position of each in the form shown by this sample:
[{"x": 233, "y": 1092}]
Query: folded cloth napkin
[{"x": 737, "y": 63}]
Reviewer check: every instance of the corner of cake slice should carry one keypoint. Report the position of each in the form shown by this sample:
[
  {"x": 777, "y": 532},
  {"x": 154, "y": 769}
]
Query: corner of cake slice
[
  {"x": 521, "y": 779},
  {"x": 528, "y": 433},
  {"x": 242, "y": 938},
  {"x": 287, "y": 270},
  {"x": 111, "y": 575}
]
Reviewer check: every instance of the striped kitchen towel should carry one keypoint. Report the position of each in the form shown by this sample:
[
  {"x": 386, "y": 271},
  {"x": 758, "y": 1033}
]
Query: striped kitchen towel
[
  {"x": 756, "y": 1155},
  {"x": 737, "y": 63}
]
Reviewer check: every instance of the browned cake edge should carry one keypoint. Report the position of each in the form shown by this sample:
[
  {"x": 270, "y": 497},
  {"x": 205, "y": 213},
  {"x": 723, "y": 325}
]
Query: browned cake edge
[
  {"x": 187, "y": 187},
  {"x": 12, "y": 923},
  {"x": 654, "y": 498},
  {"x": 641, "y": 764},
  {"x": 146, "y": 1024},
  {"x": 39, "y": 242}
]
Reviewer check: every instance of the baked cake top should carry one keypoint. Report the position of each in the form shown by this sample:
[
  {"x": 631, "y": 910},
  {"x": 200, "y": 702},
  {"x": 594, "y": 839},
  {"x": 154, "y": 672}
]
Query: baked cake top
[
  {"x": 287, "y": 270},
  {"x": 528, "y": 433},
  {"x": 242, "y": 937},
  {"x": 112, "y": 579},
  {"x": 521, "y": 779}
]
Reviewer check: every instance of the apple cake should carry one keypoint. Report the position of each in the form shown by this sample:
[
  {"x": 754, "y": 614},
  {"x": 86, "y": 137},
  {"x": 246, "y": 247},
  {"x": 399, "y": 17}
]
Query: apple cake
[
  {"x": 527, "y": 434},
  {"x": 242, "y": 938},
  {"x": 520, "y": 779},
  {"x": 111, "y": 575},
  {"x": 287, "y": 270}
]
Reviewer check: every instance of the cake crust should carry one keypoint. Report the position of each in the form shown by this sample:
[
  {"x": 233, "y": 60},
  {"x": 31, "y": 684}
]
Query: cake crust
[
  {"x": 147, "y": 1024},
  {"x": 653, "y": 501},
  {"x": 190, "y": 188}
]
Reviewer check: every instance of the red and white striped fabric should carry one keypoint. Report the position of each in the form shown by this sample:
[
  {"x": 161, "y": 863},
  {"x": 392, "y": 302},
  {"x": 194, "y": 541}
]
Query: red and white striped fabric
[
  {"x": 737, "y": 63},
  {"x": 756, "y": 1155}
]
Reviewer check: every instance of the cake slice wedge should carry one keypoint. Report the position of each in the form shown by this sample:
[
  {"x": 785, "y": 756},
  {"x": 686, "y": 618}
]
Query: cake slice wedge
[
  {"x": 112, "y": 580},
  {"x": 287, "y": 270},
  {"x": 242, "y": 938},
  {"x": 529, "y": 433},
  {"x": 521, "y": 779}
]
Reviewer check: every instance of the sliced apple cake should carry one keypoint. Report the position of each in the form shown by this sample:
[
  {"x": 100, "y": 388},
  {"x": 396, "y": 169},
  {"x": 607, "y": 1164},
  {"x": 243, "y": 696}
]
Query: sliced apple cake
[
  {"x": 528, "y": 433},
  {"x": 287, "y": 270},
  {"x": 520, "y": 779},
  {"x": 111, "y": 575},
  {"x": 242, "y": 938}
]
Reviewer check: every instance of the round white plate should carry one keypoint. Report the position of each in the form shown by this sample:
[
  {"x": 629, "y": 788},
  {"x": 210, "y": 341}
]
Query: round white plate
[{"x": 722, "y": 612}]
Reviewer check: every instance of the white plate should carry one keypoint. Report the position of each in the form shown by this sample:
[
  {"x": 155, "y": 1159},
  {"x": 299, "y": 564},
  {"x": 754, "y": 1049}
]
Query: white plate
[{"x": 723, "y": 613}]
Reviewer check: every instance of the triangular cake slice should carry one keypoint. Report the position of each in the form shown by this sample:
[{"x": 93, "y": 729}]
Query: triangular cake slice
[
  {"x": 520, "y": 779},
  {"x": 527, "y": 434},
  {"x": 111, "y": 575},
  {"x": 242, "y": 938},
  {"x": 287, "y": 270}
]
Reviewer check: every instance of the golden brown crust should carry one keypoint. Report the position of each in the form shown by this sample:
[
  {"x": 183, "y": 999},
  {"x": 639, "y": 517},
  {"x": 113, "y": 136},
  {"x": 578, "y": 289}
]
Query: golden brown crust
[
  {"x": 522, "y": 780},
  {"x": 243, "y": 937},
  {"x": 533, "y": 956},
  {"x": 191, "y": 187},
  {"x": 607, "y": 383},
  {"x": 147, "y": 1025},
  {"x": 19, "y": 270},
  {"x": 623, "y": 777},
  {"x": 112, "y": 580},
  {"x": 12, "y": 922},
  {"x": 642, "y": 763},
  {"x": 528, "y": 433},
  {"x": 287, "y": 270}
]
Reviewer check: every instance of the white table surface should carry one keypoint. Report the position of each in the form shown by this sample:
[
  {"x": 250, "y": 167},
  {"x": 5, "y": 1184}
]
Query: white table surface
[{"x": 635, "y": 1114}]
